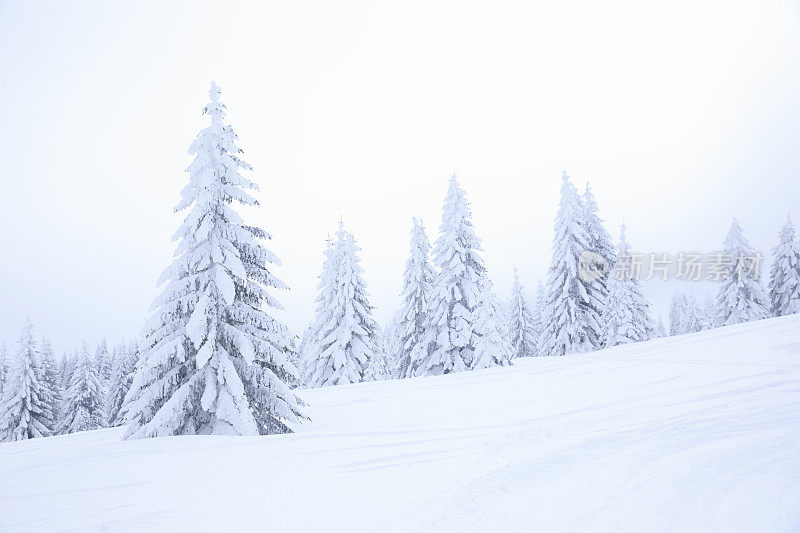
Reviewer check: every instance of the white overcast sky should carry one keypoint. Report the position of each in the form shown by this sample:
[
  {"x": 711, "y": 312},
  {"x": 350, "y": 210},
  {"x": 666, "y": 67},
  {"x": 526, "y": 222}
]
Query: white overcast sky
[{"x": 680, "y": 114}]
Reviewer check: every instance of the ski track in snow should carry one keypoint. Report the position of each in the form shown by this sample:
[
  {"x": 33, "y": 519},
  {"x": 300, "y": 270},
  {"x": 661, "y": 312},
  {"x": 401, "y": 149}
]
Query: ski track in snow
[{"x": 698, "y": 432}]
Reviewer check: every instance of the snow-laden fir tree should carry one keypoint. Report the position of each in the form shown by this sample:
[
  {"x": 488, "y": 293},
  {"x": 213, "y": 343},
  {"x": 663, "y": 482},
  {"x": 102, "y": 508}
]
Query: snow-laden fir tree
[
  {"x": 3, "y": 366},
  {"x": 122, "y": 371},
  {"x": 627, "y": 313},
  {"x": 784, "y": 279},
  {"x": 677, "y": 313},
  {"x": 213, "y": 361},
  {"x": 311, "y": 347},
  {"x": 708, "y": 312},
  {"x": 492, "y": 346},
  {"x": 540, "y": 316},
  {"x": 103, "y": 359},
  {"x": 52, "y": 393},
  {"x": 84, "y": 407},
  {"x": 462, "y": 307},
  {"x": 741, "y": 296},
  {"x": 418, "y": 278},
  {"x": 574, "y": 323},
  {"x": 694, "y": 319},
  {"x": 24, "y": 411},
  {"x": 661, "y": 331},
  {"x": 345, "y": 331},
  {"x": 378, "y": 367},
  {"x": 522, "y": 325},
  {"x": 66, "y": 367},
  {"x": 600, "y": 243}
]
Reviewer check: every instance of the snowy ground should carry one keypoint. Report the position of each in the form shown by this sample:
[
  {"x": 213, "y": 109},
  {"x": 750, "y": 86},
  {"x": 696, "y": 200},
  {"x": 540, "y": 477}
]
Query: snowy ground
[{"x": 700, "y": 432}]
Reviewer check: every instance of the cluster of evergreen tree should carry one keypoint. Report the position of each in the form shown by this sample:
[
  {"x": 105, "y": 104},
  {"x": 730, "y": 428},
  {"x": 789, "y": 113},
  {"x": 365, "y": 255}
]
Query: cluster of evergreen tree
[
  {"x": 212, "y": 360},
  {"x": 741, "y": 296},
  {"x": 40, "y": 397},
  {"x": 450, "y": 320}
]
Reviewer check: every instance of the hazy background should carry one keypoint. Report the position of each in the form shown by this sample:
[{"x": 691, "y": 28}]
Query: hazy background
[{"x": 681, "y": 114}]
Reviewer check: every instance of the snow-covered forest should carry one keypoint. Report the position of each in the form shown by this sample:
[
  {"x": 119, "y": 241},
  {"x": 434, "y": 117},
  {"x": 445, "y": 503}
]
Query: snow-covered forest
[
  {"x": 213, "y": 360},
  {"x": 399, "y": 266}
]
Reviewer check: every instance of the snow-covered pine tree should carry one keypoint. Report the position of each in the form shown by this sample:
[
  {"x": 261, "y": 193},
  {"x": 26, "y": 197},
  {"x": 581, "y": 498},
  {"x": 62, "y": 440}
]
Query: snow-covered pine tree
[
  {"x": 378, "y": 368},
  {"x": 522, "y": 325},
  {"x": 3, "y": 366},
  {"x": 492, "y": 346},
  {"x": 741, "y": 296},
  {"x": 677, "y": 313},
  {"x": 103, "y": 360},
  {"x": 693, "y": 319},
  {"x": 52, "y": 394},
  {"x": 600, "y": 243},
  {"x": 784, "y": 279},
  {"x": 461, "y": 301},
  {"x": 214, "y": 362},
  {"x": 69, "y": 361},
  {"x": 708, "y": 312},
  {"x": 345, "y": 335},
  {"x": 125, "y": 358},
  {"x": 24, "y": 413},
  {"x": 574, "y": 324},
  {"x": 417, "y": 283},
  {"x": 540, "y": 317},
  {"x": 84, "y": 407},
  {"x": 627, "y": 313},
  {"x": 661, "y": 331}
]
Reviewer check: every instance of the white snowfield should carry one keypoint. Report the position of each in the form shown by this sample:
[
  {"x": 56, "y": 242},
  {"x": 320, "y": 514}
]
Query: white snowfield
[{"x": 693, "y": 433}]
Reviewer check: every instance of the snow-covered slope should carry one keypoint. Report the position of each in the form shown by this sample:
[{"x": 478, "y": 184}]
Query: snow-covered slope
[{"x": 699, "y": 432}]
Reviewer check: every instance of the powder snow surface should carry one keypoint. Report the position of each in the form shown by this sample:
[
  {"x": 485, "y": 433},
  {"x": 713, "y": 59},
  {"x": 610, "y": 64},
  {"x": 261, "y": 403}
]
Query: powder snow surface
[{"x": 698, "y": 432}]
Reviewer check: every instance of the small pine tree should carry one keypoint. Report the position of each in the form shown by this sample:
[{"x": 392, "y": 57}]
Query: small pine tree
[
  {"x": 784, "y": 279},
  {"x": 213, "y": 361},
  {"x": 741, "y": 296},
  {"x": 417, "y": 284},
  {"x": 24, "y": 411},
  {"x": 492, "y": 347},
  {"x": 677, "y": 314},
  {"x": 693, "y": 319},
  {"x": 84, "y": 408},
  {"x": 661, "y": 331},
  {"x": 378, "y": 368},
  {"x": 345, "y": 339},
  {"x": 522, "y": 326},
  {"x": 574, "y": 324},
  {"x": 627, "y": 313}
]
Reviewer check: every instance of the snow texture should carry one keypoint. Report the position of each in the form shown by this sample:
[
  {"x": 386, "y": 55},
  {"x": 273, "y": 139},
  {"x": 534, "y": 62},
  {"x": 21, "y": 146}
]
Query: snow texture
[{"x": 688, "y": 433}]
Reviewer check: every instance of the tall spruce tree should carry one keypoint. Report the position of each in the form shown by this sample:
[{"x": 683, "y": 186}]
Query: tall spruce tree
[
  {"x": 104, "y": 361},
  {"x": 574, "y": 324},
  {"x": 784, "y": 279},
  {"x": 462, "y": 309},
  {"x": 24, "y": 411},
  {"x": 84, "y": 407},
  {"x": 214, "y": 362},
  {"x": 346, "y": 333},
  {"x": 122, "y": 372},
  {"x": 741, "y": 296},
  {"x": 601, "y": 244},
  {"x": 417, "y": 284},
  {"x": 627, "y": 312},
  {"x": 522, "y": 326},
  {"x": 52, "y": 393}
]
